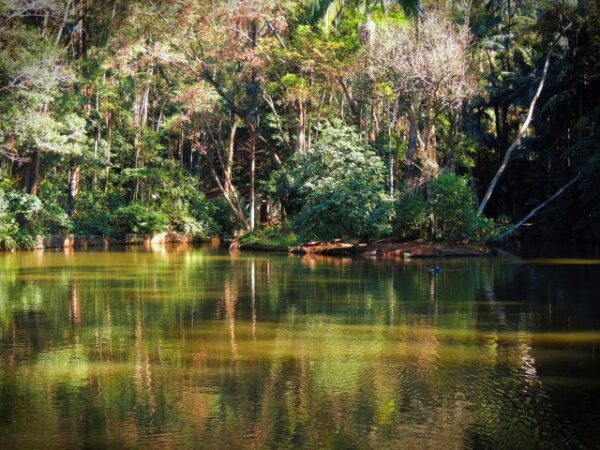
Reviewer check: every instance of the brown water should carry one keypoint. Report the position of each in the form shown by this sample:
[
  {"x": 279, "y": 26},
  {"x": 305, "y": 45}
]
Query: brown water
[{"x": 196, "y": 348}]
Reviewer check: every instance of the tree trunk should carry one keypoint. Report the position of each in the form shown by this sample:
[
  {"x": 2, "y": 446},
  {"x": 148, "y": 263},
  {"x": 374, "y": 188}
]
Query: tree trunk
[
  {"x": 264, "y": 211},
  {"x": 252, "y": 177},
  {"x": 74, "y": 183},
  {"x": 228, "y": 185},
  {"x": 517, "y": 140},
  {"x": 141, "y": 117},
  {"x": 33, "y": 173},
  {"x": 107, "y": 156},
  {"x": 63, "y": 23},
  {"x": 412, "y": 146},
  {"x": 432, "y": 224},
  {"x": 300, "y": 127},
  {"x": 535, "y": 210}
]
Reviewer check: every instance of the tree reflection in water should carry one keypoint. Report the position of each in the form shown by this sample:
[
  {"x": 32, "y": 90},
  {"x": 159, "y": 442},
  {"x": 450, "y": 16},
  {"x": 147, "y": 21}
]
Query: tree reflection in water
[{"x": 198, "y": 349}]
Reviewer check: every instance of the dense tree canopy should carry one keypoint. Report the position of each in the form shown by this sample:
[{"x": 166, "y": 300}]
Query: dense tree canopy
[{"x": 213, "y": 117}]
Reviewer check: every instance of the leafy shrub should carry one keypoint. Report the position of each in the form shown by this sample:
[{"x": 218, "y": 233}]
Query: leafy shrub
[
  {"x": 411, "y": 215},
  {"x": 337, "y": 188},
  {"x": 225, "y": 222},
  {"x": 193, "y": 217},
  {"x": 54, "y": 220},
  {"x": 91, "y": 216},
  {"x": 275, "y": 236},
  {"x": 453, "y": 208},
  {"x": 348, "y": 209},
  {"x": 24, "y": 216},
  {"x": 137, "y": 218},
  {"x": 8, "y": 225}
]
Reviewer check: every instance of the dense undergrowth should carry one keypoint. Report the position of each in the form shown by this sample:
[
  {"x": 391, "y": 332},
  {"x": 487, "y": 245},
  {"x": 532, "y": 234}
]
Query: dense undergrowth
[{"x": 353, "y": 120}]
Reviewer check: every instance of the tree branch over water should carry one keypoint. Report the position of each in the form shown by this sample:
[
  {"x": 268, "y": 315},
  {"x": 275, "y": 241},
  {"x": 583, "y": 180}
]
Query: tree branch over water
[{"x": 537, "y": 209}]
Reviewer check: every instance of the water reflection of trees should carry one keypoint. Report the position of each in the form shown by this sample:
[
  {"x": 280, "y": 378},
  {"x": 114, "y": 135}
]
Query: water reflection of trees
[{"x": 189, "y": 349}]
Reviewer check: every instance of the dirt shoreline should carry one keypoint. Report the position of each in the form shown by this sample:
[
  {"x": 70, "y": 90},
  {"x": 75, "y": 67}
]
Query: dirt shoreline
[
  {"x": 381, "y": 249},
  {"x": 376, "y": 249}
]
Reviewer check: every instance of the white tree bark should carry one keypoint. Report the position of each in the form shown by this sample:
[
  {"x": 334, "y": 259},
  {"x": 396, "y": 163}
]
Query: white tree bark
[{"x": 517, "y": 141}]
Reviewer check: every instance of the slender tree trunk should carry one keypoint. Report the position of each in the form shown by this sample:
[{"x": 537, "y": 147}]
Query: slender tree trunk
[
  {"x": 141, "y": 119},
  {"x": 107, "y": 156},
  {"x": 74, "y": 183},
  {"x": 96, "y": 139},
  {"x": 63, "y": 23},
  {"x": 45, "y": 24},
  {"x": 432, "y": 222},
  {"x": 252, "y": 178},
  {"x": 351, "y": 101},
  {"x": 517, "y": 140},
  {"x": 391, "y": 157},
  {"x": 412, "y": 146},
  {"x": 300, "y": 127},
  {"x": 230, "y": 157},
  {"x": 231, "y": 198}
]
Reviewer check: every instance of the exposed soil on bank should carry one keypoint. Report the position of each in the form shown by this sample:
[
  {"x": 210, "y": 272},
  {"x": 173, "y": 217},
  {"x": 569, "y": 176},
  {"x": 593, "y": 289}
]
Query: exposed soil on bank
[{"x": 383, "y": 249}]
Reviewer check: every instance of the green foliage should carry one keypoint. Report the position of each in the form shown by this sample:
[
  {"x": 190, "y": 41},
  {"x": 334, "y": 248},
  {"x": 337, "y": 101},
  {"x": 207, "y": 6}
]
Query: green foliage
[
  {"x": 276, "y": 237},
  {"x": 8, "y": 224},
  {"x": 451, "y": 207},
  {"x": 454, "y": 212},
  {"x": 225, "y": 222},
  {"x": 338, "y": 188},
  {"x": 194, "y": 217},
  {"x": 23, "y": 217},
  {"x": 118, "y": 113},
  {"x": 411, "y": 215},
  {"x": 139, "y": 219},
  {"x": 91, "y": 216}
]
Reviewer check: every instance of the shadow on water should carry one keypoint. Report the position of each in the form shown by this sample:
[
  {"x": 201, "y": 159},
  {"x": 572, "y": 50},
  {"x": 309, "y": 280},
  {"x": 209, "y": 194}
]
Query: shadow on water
[{"x": 197, "y": 348}]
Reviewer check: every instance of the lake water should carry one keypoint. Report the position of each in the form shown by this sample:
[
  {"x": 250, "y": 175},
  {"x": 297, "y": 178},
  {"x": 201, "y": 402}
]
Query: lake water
[{"x": 176, "y": 348}]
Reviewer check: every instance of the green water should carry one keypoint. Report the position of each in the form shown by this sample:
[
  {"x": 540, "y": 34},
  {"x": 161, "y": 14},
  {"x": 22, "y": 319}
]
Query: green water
[{"x": 197, "y": 348}]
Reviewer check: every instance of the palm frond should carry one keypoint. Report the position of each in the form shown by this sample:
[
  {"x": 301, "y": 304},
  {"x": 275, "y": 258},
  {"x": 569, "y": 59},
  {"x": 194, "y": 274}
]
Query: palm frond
[
  {"x": 330, "y": 10},
  {"x": 332, "y": 13}
]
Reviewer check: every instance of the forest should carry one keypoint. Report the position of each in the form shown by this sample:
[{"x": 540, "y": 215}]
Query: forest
[{"x": 468, "y": 120}]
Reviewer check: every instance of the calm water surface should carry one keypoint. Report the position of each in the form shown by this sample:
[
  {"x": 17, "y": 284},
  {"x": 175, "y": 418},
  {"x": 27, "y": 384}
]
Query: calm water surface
[{"x": 197, "y": 348}]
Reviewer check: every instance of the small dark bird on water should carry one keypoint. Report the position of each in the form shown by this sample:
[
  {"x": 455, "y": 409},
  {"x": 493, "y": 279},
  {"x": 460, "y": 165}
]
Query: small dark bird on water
[{"x": 435, "y": 269}]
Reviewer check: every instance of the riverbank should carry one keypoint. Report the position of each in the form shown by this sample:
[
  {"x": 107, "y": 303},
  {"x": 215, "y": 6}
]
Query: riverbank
[
  {"x": 72, "y": 241},
  {"x": 388, "y": 248}
]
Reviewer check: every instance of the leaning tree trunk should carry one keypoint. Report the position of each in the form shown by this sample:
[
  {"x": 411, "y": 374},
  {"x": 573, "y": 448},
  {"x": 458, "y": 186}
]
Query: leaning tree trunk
[
  {"x": 537, "y": 209},
  {"x": 517, "y": 140}
]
